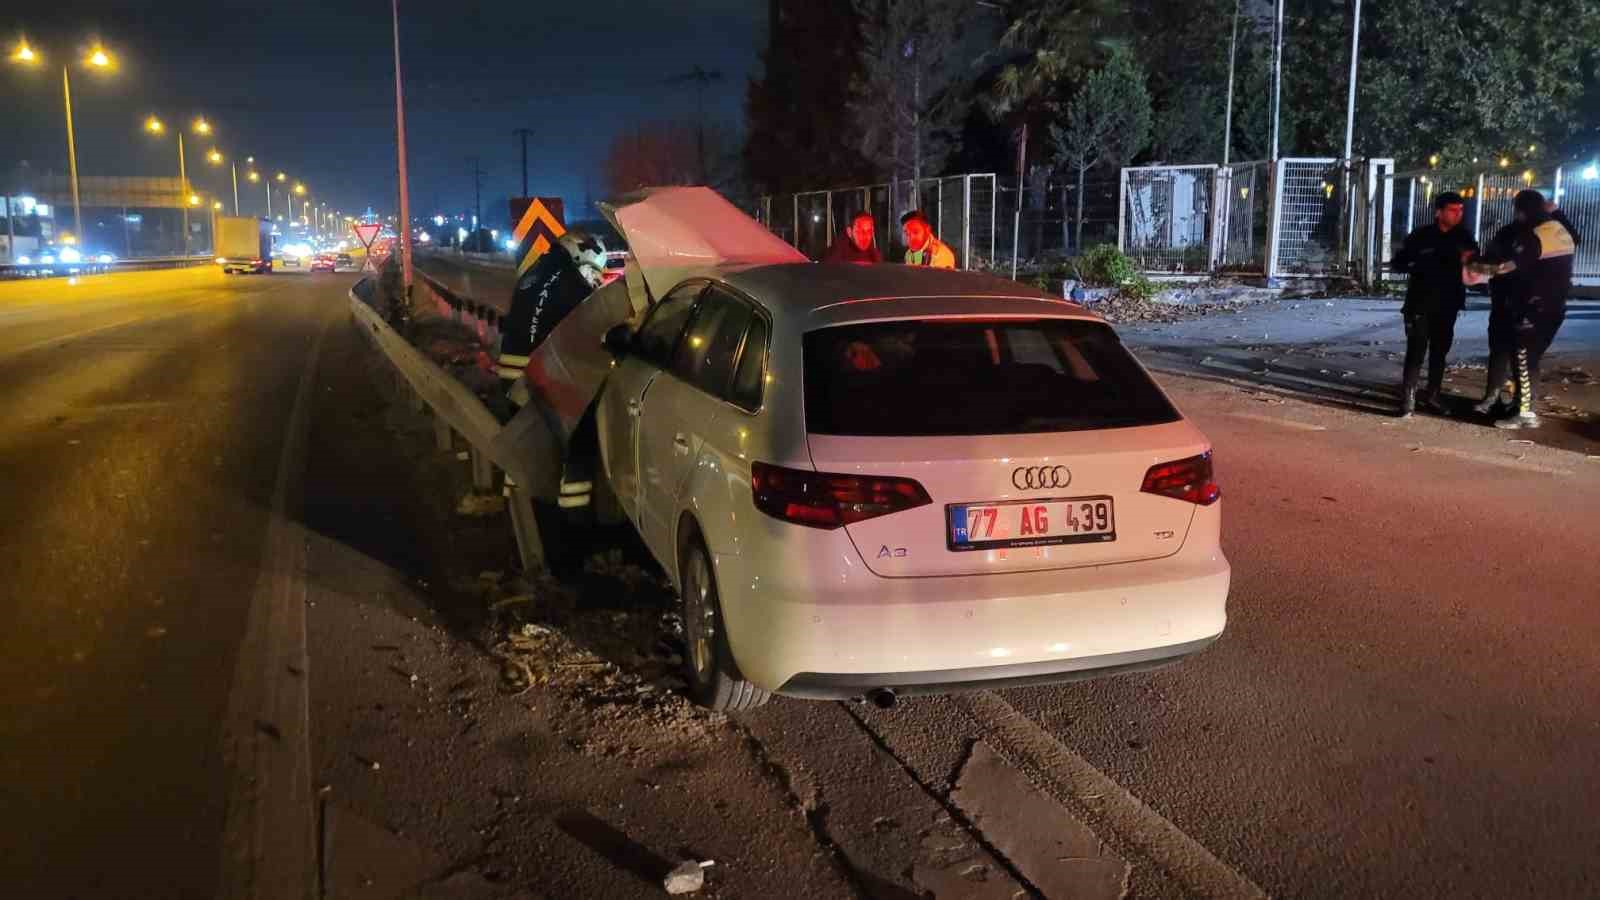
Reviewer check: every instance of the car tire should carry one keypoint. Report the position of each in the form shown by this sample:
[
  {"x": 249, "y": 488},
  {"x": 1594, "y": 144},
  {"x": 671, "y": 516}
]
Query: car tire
[{"x": 713, "y": 677}]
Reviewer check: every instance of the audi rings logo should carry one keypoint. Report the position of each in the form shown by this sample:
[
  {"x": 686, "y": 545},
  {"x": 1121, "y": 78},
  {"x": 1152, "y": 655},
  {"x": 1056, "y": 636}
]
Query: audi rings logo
[{"x": 1033, "y": 478}]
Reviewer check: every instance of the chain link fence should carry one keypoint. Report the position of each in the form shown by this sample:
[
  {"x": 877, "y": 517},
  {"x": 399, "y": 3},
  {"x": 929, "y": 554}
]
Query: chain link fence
[
  {"x": 1302, "y": 217},
  {"x": 1169, "y": 217},
  {"x": 961, "y": 208}
]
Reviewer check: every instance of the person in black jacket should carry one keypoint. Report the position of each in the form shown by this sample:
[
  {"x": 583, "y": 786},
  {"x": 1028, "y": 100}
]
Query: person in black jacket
[
  {"x": 1499, "y": 391},
  {"x": 1432, "y": 257},
  {"x": 859, "y": 243},
  {"x": 1502, "y": 336},
  {"x": 1543, "y": 251}
]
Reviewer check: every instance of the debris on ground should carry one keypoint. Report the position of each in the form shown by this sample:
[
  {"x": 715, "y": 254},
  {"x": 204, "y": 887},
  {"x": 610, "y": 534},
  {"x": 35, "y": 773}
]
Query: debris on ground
[
  {"x": 481, "y": 505},
  {"x": 686, "y": 878},
  {"x": 608, "y": 639},
  {"x": 1126, "y": 308}
]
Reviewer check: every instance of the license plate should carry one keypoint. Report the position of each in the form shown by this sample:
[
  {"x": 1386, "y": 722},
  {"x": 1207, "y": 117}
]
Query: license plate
[{"x": 1031, "y": 523}]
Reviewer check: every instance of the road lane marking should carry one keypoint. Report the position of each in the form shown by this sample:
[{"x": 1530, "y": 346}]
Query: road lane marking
[
  {"x": 1503, "y": 462},
  {"x": 1055, "y": 769},
  {"x": 1275, "y": 420},
  {"x": 269, "y": 834}
]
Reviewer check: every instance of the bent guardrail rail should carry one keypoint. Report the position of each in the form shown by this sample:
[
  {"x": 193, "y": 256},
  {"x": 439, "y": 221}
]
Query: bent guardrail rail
[{"x": 525, "y": 448}]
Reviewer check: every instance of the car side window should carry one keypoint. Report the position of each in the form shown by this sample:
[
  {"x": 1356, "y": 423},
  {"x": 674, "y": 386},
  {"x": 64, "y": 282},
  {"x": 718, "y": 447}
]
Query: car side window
[
  {"x": 658, "y": 336},
  {"x": 749, "y": 381},
  {"x": 706, "y": 355}
]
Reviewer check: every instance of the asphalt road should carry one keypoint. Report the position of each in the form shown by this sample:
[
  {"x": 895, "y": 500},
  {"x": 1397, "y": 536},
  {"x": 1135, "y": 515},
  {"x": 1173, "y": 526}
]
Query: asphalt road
[
  {"x": 1403, "y": 703},
  {"x": 142, "y": 419}
]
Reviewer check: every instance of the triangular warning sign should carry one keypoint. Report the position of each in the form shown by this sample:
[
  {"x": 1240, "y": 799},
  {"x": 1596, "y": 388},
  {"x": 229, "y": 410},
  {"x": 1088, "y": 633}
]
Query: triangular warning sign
[{"x": 367, "y": 232}]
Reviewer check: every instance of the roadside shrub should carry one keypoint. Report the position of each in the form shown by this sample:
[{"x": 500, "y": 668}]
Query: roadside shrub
[{"x": 1105, "y": 266}]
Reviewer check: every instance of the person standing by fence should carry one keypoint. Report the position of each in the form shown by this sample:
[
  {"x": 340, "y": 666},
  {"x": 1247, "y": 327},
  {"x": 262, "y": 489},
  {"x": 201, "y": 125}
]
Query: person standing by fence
[
  {"x": 1432, "y": 257},
  {"x": 922, "y": 248},
  {"x": 858, "y": 245}
]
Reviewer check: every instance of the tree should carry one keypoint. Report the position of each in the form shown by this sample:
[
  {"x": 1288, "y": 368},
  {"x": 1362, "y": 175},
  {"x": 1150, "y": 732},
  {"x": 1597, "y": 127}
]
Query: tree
[
  {"x": 912, "y": 92},
  {"x": 1049, "y": 40},
  {"x": 1475, "y": 80},
  {"x": 798, "y": 110},
  {"x": 1107, "y": 123},
  {"x": 664, "y": 153}
]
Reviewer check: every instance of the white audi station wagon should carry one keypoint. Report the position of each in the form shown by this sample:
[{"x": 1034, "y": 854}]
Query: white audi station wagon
[{"x": 875, "y": 480}]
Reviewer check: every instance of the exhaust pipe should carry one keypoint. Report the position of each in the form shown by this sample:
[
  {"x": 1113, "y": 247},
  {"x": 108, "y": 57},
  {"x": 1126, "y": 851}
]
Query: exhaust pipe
[{"x": 882, "y": 698}]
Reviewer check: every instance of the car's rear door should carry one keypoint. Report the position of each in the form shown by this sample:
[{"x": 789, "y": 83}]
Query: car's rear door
[
  {"x": 622, "y": 400},
  {"x": 683, "y": 410}
]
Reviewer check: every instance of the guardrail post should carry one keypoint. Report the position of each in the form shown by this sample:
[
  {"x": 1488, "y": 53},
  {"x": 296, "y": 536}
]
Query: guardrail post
[
  {"x": 443, "y": 436},
  {"x": 482, "y": 472},
  {"x": 530, "y": 547}
]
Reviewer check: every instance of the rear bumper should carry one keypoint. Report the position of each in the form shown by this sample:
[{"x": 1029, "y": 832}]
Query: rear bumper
[
  {"x": 799, "y": 626},
  {"x": 815, "y": 686}
]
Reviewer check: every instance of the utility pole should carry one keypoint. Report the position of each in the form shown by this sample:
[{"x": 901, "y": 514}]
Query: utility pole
[
  {"x": 1350, "y": 103},
  {"x": 1277, "y": 74},
  {"x": 1227, "y": 116},
  {"x": 400, "y": 153},
  {"x": 523, "y": 133},
  {"x": 477, "y": 197},
  {"x": 700, "y": 77}
]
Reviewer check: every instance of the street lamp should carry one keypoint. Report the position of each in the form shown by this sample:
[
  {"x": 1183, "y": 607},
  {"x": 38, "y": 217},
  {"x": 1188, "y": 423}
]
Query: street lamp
[
  {"x": 215, "y": 156},
  {"x": 97, "y": 58},
  {"x": 155, "y": 126}
]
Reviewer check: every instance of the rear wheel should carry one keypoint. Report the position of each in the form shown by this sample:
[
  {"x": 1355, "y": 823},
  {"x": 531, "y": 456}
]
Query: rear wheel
[{"x": 714, "y": 680}]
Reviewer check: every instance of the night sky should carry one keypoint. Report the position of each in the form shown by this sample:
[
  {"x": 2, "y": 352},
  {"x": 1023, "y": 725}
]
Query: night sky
[{"x": 307, "y": 88}]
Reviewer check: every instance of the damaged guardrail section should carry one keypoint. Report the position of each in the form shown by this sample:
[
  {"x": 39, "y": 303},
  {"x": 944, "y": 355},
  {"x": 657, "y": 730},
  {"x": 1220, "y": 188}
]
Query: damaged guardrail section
[{"x": 524, "y": 449}]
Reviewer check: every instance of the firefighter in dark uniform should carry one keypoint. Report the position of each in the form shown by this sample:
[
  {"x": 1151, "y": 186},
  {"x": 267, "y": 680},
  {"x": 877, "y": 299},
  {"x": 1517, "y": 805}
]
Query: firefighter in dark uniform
[
  {"x": 1543, "y": 251},
  {"x": 1432, "y": 257}
]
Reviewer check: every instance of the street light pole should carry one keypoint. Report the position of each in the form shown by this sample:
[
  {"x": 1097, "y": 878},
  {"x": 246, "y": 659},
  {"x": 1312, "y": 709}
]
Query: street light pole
[
  {"x": 235, "y": 167},
  {"x": 400, "y": 154},
  {"x": 72, "y": 155},
  {"x": 523, "y": 133},
  {"x": 183, "y": 188}
]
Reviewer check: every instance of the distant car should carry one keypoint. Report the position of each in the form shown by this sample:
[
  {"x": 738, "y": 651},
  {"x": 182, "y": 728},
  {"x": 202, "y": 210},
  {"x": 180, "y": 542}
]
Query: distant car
[
  {"x": 324, "y": 262},
  {"x": 616, "y": 262},
  {"x": 344, "y": 261}
]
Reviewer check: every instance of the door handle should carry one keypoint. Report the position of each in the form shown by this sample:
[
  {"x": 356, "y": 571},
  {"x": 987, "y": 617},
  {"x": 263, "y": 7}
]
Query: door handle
[
  {"x": 681, "y": 445},
  {"x": 633, "y": 408}
]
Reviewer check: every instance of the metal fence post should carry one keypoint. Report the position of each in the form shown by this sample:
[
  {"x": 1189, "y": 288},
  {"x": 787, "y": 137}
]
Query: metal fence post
[
  {"x": 1274, "y": 218},
  {"x": 1122, "y": 211},
  {"x": 1477, "y": 209},
  {"x": 482, "y": 472},
  {"x": 966, "y": 221},
  {"x": 794, "y": 201},
  {"x": 443, "y": 437},
  {"x": 530, "y": 546},
  {"x": 827, "y": 201}
]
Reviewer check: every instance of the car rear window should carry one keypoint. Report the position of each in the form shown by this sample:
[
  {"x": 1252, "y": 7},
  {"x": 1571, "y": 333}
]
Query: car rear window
[{"x": 966, "y": 377}]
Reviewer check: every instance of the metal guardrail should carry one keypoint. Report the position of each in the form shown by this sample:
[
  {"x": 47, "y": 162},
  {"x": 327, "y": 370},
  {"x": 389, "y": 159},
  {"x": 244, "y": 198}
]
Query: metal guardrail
[
  {"x": 68, "y": 270},
  {"x": 525, "y": 449}
]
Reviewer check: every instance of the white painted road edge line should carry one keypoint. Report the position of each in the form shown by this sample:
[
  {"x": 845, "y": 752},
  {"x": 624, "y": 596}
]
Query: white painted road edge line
[
  {"x": 269, "y": 839},
  {"x": 1063, "y": 774},
  {"x": 1487, "y": 459}
]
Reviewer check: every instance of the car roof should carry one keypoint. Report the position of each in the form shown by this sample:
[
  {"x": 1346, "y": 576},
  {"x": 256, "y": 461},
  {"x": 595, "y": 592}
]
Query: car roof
[{"x": 814, "y": 295}]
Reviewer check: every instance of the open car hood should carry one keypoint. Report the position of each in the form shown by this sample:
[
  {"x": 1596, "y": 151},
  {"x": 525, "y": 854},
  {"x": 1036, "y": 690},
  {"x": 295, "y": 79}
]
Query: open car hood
[{"x": 673, "y": 232}]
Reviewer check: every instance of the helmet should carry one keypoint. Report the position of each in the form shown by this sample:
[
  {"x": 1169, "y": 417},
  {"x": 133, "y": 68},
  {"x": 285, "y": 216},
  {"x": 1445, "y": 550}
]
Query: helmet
[{"x": 587, "y": 253}]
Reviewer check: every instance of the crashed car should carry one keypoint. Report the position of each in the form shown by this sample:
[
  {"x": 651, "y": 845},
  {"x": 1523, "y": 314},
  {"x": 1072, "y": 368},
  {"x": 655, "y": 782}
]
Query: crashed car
[{"x": 876, "y": 480}]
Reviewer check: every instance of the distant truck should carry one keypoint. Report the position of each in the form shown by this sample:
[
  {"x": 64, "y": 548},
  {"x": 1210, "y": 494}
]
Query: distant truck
[{"x": 243, "y": 244}]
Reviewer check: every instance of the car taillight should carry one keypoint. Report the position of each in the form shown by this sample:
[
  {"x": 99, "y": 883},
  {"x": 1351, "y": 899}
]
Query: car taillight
[
  {"x": 1186, "y": 479},
  {"x": 824, "y": 500}
]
